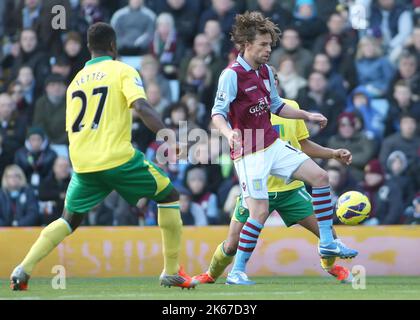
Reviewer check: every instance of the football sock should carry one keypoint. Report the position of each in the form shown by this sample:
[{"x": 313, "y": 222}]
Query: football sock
[
  {"x": 219, "y": 262},
  {"x": 170, "y": 223},
  {"x": 247, "y": 242},
  {"x": 327, "y": 263},
  {"x": 324, "y": 213},
  {"x": 49, "y": 238}
]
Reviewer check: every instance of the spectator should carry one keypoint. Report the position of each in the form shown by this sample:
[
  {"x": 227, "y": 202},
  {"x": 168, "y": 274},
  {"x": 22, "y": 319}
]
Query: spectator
[
  {"x": 196, "y": 181},
  {"x": 36, "y": 15},
  {"x": 52, "y": 190},
  {"x": 322, "y": 64},
  {"x": 192, "y": 214},
  {"x": 307, "y": 22},
  {"x": 318, "y": 98},
  {"x": 374, "y": 70},
  {"x": 166, "y": 47},
  {"x": 219, "y": 42},
  {"x": 31, "y": 55},
  {"x": 150, "y": 72},
  {"x": 123, "y": 213},
  {"x": 341, "y": 62},
  {"x": 61, "y": 65},
  {"x": 200, "y": 156},
  {"x": 24, "y": 110},
  {"x": 185, "y": 17},
  {"x": 50, "y": 112},
  {"x": 340, "y": 179},
  {"x": 397, "y": 170},
  {"x": 400, "y": 103},
  {"x": 18, "y": 204},
  {"x": 12, "y": 127},
  {"x": 289, "y": 80},
  {"x": 406, "y": 141},
  {"x": 409, "y": 73},
  {"x": 6, "y": 158},
  {"x": 274, "y": 11},
  {"x": 156, "y": 98},
  {"x": 134, "y": 26},
  {"x": 36, "y": 158},
  {"x": 222, "y": 10},
  {"x": 26, "y": 79},
  {"x": 412, "y": 213},
  {"x": 413, "y": 44},
  {"x": 202, "y": 49},
  {"x": 196, "y": 109},
  {"x": 291, "y": 46},
  {"x": 75, "y": 52},
  {"x": 337, "y": 29},
  {"x": 360, "y": 102},
  {"x": 373, "y": 180},
  {"x": 199, "y": 81},
  {"x": 350, "y": 138},
  {"x": 393, "y": 22}
]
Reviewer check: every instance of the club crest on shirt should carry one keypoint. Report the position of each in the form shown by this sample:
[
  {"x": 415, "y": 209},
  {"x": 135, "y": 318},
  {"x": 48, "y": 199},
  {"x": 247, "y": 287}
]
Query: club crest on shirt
[
  {"x": 267, "y": 85},
  {"x": 221, "y": 96}
]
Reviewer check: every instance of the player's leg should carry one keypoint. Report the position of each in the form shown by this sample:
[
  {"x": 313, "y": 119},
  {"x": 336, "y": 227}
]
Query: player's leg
[
  {"x": 140, "y": 178},
  {"x": 312, "y": 174},
  {"x": 253, "y": 171},
  {"x": 84, "y": 192},
  {"x": 225, "y": 251}
]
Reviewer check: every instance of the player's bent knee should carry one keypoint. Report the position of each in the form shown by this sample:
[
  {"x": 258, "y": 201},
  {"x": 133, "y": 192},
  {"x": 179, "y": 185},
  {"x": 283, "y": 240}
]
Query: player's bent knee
[
  {"x": 73, "y": 219},
  {"x": 320, "y": 178},
  {"x": 173, "y": 196}
]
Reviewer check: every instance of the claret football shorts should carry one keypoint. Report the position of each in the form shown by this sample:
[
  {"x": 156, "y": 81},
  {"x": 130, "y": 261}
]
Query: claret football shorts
[{"x": 279, "y": 159}]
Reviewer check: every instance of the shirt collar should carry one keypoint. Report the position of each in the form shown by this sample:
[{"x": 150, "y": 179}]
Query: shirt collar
[
  {"x": 245, "y": 64},
  {"x": 98, "y": 59}
]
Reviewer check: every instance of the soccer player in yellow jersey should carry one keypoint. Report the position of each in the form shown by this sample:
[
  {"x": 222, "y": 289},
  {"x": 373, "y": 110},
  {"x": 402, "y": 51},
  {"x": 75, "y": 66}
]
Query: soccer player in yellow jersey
[
  {"x": 292, "y": 202},
  {"x": 98, "y": 122}
]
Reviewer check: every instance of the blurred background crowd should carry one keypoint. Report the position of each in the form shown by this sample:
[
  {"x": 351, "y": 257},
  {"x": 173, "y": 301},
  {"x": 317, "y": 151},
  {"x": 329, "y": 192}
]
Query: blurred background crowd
[{"x": 357, "y": 62}]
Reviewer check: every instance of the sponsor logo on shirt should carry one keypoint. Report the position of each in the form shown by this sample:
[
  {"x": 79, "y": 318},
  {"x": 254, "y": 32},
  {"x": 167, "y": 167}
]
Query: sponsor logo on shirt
[
  {"x": 260, "y": 108},
  {"x": 250, "y": 88}
]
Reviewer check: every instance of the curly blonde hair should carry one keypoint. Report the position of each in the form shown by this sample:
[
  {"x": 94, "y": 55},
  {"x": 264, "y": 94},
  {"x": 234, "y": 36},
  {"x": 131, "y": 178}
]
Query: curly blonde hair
[{"x": 248, "y": 25}]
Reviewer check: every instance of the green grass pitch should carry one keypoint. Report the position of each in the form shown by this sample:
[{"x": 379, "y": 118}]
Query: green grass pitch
[{"x": 267, "y": 288}]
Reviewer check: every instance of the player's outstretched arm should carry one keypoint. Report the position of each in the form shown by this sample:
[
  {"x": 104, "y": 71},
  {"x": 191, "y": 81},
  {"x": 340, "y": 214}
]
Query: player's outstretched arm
[
  {"x": 148, "y": 115},
  {"x": 292, "y": 113},
  {"x": 315, "y": 150}
]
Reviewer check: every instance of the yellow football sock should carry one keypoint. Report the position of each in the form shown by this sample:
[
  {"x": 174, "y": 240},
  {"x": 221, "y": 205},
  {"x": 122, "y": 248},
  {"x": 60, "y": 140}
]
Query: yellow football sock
[
  {"x": 49, "y": 238},
  {"x": 327, "y": 263},
  {"x": 219, "y": 262},
  {"x": 170, "y": 223}
]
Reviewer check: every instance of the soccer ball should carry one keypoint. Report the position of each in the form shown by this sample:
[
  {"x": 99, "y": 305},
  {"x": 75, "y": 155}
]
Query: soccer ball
[{"x": 352, "y": 207}]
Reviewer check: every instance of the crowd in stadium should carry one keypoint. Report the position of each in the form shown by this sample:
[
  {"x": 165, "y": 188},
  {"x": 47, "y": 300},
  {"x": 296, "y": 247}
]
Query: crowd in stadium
[{"x": 356, "y": 62}]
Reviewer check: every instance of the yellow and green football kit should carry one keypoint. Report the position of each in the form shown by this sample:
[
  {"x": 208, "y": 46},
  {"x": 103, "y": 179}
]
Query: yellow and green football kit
[{"x": 98, "y": 122}]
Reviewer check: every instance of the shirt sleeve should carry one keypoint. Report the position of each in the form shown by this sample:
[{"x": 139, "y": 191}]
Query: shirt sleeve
[
  {"x": 277, "y": 103},
  {"x": 226, "y": 93},
  {"x": 132, "y": 85}
]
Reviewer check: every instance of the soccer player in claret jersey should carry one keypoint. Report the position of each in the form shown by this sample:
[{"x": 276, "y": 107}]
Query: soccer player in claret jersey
[
  {"x": 291, "y": 201},
  {"x": 98, "y": 122},
  {"x": 245, "y": 97}
]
